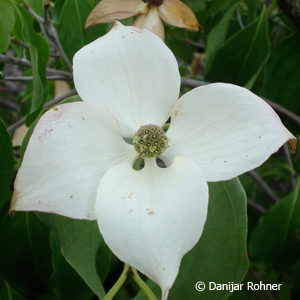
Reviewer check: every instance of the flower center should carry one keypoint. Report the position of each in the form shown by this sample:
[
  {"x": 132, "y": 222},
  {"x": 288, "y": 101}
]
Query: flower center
[
  {"x": 155, "y": 2},
  {"x": 150, "y": 141}
]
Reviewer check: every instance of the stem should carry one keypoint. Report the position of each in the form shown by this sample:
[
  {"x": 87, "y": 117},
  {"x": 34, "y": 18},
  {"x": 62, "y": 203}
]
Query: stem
[
  {"x": 289, "y": 161},
  {"x": 51, "y": 30},
  {"x": 113, "y": 291},
  {"x": 144, "y": 287},
  {"x": 264, "y": 186},
  {"x": 30, "y": 78},
  {"x": 192, "y": 83},
  {"x": 256, "y": 206},
  {"x": 292, "y": 9},
  {"x": 239, "y": 17},
  {"x": 26, "y": 63},
  {"x": 20, "y": 122}
]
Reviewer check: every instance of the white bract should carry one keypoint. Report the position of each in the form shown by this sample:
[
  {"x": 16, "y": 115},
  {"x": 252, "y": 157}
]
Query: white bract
[{"x": 77, "y": 163}]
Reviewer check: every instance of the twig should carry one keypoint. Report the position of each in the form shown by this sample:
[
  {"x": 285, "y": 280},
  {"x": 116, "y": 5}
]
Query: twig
[
  {"x": 292, "y": 9},
  {"x": 258, "y": 278},
  {"x": 268, "y": 4},
  {"x": 14, "y": 61},
  {"x": 16, "y": 41},
  {"x": 30, "y": 78},
  {"x": 192, "y": 83},
  {"x": 32, "y": 12},
  {"x": 284, "y": 111},
  {"x": 256, "y": 206},
  {"x": 26, "y": 63},
  {"x": 289, "y": 161},
  {"x": 239, "y": 17},
  {"x": 9, "y": 104},
  {"x": 20, "y": 122},
  {"x": 51, "y": 30},
  {"x": 263, "y": 185}
]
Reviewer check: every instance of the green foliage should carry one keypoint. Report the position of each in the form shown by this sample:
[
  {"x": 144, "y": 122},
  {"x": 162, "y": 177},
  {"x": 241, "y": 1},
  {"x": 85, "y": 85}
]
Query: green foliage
[
  {"x": 282, "y": 74},
  {"x": 275, "y": 241},
  {"x": 8, "y": 292},
  {"x": 6, "y": 23},
  {"x": 242, "y": 57},
  {"x": 67, "y": 284},
  {"x": 7, "y": 164},
  {"x": 80, "y": 242}
]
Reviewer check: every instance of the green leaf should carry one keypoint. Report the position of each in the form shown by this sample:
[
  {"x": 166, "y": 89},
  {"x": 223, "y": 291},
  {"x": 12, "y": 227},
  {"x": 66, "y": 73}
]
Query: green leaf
[
  {"x": 65, "y": 281},
  {"x": 80, "y": 241},
  {"x": 38, "y": 52},
  {"x": 25, "y": 253},
  {"x": 282, "y": 74},
  {"x": 221, "y": 254},
  {"x": 8, "y": 293},
  {"x": 71, "y": 29},
  {"x": 7, "y": 20},
  {"x": 243, "y": 56},
  {"x": 7, "y": 164},
  {"x": 196, "y": 5},
  {"x": 217, "y": 36},
  {"x": 217, "y": 5},
  {"x": 275, "y": 241}
]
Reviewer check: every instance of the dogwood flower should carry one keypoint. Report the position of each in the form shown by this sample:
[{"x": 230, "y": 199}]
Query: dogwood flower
[
  {"x": 77, "y": 163},
  {"x": 151, "y": 14}
]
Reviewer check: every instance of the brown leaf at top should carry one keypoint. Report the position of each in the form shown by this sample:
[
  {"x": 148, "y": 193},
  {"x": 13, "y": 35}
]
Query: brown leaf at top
[
  {"x": 110, "y": 10},
  {"x": 178, "y": 14},
  {"x": 152, "y": 22}
]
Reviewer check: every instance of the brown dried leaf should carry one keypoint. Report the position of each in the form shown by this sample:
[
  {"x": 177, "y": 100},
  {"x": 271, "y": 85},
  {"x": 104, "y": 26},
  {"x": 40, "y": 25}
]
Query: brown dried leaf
[
  {"x": 152, "y": 22},
  {"x": 110, "y": 10},
  {"x": 178, "y": 14},
  {"x": 293, "y": 145}
]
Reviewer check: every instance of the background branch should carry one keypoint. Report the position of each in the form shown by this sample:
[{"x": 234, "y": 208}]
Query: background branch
[
  {"x": 192, "y": 83},
  {"x": 292, "y": 9},
  {"x": 20, "y": 122},
  {"x": 263, "y": 185}
]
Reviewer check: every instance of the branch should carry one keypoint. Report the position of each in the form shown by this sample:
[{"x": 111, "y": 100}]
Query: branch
[
  {"x": 256, "y": 206},
  {"x": 16, "y": 41},
  {"x": 49, "y": 31},
  {"x": 30, "y": 78},
  {"x": 292, "y": 9},
  {"x": 289, "y": 161},
  {"x": 20, "y": 122},
  {"x": 264, "y": 186},
  {"x": 192, "y": 83},
  {"x": 14, "y": 61},
  {"x": 259, "y": 279},
  {"x": 239, "y": 17},
  {"x": 9, "y": 104},
  {"x": 26, "y": 63}
]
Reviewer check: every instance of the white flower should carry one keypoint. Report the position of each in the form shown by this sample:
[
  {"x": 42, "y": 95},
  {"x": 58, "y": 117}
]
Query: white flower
[{"x": 77, "y": 163}]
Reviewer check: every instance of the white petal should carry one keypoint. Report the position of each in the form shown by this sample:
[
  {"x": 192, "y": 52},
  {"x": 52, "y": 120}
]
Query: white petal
[
  {"x": 154, "y": 216},
  {"x": 226, "y": 129},
  {"x": 72, "y": 146},
  {"x": 152, "y": 22},
  {"x": 133, "y": 73}
]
